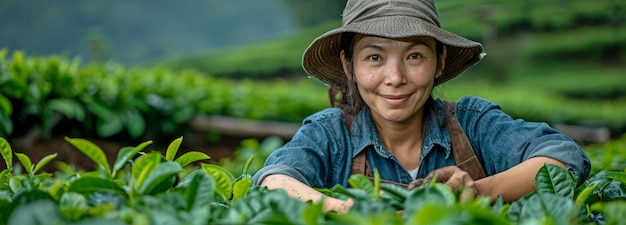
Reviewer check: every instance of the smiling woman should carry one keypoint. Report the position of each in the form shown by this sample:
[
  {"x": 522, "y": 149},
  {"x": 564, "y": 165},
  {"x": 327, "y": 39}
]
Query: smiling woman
[
  {"x": 385, "y": 59},
  {"x": 395, "y": 76}
]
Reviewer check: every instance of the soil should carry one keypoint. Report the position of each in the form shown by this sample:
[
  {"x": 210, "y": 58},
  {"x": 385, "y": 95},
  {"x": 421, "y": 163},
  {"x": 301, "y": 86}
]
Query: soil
[{"x": 69, "y": 154}]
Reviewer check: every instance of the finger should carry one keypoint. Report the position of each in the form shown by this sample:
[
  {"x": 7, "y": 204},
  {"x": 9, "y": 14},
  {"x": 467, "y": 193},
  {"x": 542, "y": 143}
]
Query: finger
[
  {"x": 443, "y": 174},
  {"x": 468, "y": 194},
  {"x": 416, "y": 183},
  {"x": 459, "y": 180}
]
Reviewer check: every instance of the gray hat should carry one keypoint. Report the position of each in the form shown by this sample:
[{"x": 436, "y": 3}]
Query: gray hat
[{"x": 391, "y": 19}]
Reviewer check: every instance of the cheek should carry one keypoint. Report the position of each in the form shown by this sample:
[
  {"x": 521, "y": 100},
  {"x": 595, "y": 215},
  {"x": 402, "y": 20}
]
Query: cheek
[
  {"x": 367, "y": 79},
  {"x": 423, "y": 76}
]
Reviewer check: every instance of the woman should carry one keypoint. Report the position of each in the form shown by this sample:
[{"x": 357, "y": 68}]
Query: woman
[{"x": 385, "y": 59}]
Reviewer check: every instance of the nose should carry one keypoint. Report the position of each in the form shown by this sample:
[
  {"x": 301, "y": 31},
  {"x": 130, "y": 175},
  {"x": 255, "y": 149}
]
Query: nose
[{"x": 395, "y": 74}]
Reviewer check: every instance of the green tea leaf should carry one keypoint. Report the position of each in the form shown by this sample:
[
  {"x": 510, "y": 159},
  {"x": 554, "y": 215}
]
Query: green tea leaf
[
  {"x": 554, "y": 179},
  {"x": 361, "y": 182},
  {"x": 223, "y": 178},
  {"x": 7, "y": 153},
  {"x": 585, "y": 193},
  {"x": 46, "y": 213},
  {"x": 127, "y": 153},
  {"x": 92, "y": 151},
  {"x": 246, "y": 166},
  {"x": 313, "y": 214},
  {"x": 68, "y": 107},
  {"x": 376, "y": 191},
  {"x": 5, "y": 176},
  {"x": 45, "y": 160},
  {"x": 26, "y": 163},
  {"x": 134, "y": 122},
  {"x": 191, "y": 157},
  {"x": 618, "y": 176},
  {"x": 163, "y": 171},
  {"x": 265, "y": 207},
  {"x": 6, "y": 126},
  {"x": 432, "y": 213},
  {"x": 541, "y": 206},
  {"x": 6, "y": 108},
  {"x": 615, "y": 211},
  {"x": 172, "y": 149},
  {"x": 143, "y": 167},
  {"x": 397, "y": 192},
  {"x": 18, "y": 184},
  {"x": 107, "y": 127},
  {"x": 108, "y": 122},
  {"x": 446, "y": 192},
  {"x": 73, "y": 206},
  {"x": 89, "y": 185},
  {"x": 241, "y": 188},
  {"x": 200, "y": 189},
  {"x": 427, "y": 195}
]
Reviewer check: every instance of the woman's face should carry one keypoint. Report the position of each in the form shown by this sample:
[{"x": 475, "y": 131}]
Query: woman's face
[{"x": 394, "y": 77}]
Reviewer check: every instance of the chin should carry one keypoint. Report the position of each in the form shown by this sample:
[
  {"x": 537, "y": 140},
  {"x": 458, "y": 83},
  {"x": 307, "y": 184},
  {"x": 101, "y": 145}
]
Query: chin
[{"x": 396, "y": 118}]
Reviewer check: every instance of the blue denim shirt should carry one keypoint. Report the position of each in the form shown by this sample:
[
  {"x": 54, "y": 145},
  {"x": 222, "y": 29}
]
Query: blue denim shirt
[{"x": 320, "y": 154}]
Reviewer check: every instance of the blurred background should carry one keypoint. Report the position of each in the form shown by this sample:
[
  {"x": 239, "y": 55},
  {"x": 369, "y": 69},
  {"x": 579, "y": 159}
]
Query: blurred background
[
  {"x": 220, "y": 72},
  {"x": 133, "y": 32}
]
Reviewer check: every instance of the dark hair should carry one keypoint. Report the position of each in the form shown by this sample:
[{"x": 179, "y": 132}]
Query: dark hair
[{"x": 349, "y": 100}]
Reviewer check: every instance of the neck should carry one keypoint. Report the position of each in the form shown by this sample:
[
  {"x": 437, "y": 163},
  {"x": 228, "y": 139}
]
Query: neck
[{"x": 403, "y": 139}]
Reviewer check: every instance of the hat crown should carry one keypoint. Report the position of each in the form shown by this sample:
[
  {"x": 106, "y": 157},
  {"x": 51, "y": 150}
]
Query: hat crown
[{"x": 362, "y": 10}]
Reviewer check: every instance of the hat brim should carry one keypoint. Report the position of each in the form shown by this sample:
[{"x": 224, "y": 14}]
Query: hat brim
[{"x": 321, "y": 58}]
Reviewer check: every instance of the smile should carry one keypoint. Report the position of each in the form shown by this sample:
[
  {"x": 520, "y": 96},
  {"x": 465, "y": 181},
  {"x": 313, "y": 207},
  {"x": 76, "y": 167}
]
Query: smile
[{"x": 395, "y": 99}]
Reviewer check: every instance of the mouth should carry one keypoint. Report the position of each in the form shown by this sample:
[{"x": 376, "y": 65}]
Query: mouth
[{"x": 395, "y": 99}]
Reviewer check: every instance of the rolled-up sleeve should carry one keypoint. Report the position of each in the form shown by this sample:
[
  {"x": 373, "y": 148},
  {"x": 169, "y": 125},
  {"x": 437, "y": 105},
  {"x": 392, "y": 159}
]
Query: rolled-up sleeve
[
  {"x": 305, "y": 157},
  {"x": 503, "y": 142},
  {"x": 567, "y": 152}
]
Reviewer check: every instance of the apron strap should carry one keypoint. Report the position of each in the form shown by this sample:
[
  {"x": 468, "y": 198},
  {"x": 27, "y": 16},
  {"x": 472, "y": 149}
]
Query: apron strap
[{"x": 462, "y": 149}]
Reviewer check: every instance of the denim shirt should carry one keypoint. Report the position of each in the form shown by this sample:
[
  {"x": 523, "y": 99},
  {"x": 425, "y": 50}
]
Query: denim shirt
[{"x": 320, "y": 154}]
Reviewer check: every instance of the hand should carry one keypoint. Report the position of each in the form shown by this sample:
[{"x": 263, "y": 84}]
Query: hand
[
  {"x": 337, "y": 205},
  {"x": 453, "y": 177}
]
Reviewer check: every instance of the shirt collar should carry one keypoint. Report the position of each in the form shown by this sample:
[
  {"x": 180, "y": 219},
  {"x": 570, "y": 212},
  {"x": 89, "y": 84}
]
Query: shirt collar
[{"x": 364, "y": 132}]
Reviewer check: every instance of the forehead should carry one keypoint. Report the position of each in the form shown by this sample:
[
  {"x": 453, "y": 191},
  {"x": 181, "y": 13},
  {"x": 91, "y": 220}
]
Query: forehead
[{"x": 362, "y": 39}]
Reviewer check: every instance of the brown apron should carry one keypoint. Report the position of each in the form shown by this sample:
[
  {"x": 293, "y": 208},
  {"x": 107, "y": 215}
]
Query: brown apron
[{"x": 461, "y": 148}]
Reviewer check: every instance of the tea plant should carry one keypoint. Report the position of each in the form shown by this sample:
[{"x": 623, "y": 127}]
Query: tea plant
[{"x": 153, "y": 187}]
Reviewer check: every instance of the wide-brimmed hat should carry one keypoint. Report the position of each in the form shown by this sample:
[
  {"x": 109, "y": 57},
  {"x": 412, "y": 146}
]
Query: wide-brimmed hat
[{"x": 391, "y": 19}]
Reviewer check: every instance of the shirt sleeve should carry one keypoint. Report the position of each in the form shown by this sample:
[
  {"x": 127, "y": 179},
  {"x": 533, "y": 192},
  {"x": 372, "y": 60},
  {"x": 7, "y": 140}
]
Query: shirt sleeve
[
  {"x": 503, "y": 142},
  {"x": 305, "y": 157}
]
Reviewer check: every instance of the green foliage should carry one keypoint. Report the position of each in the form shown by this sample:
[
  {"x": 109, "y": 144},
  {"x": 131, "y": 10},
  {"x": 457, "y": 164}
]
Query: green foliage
[
  {"x": 139, "y": 32},
  {"x": 249, "y": 157},
  {"x": 563, "y": 95},
  {"x": 58, "y": 95},
  {"x": 540, "y": 31},
  {"x": 144, "y": 103},
  {"x": 278, "y": 57},
  {"x": 154, "y": 189},
  {"x": 608, "y": 156}
]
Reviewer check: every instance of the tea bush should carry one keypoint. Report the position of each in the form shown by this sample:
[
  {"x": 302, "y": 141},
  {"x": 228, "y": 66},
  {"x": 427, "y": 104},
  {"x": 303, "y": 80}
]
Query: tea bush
[
  {"x": 149, "y": 187},
  {"x": 58, "y": 95}
]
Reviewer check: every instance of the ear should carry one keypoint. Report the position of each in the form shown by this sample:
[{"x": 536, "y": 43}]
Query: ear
[
  {"x": 346, "y": 65},
  {"x": 441, "y": 64}
]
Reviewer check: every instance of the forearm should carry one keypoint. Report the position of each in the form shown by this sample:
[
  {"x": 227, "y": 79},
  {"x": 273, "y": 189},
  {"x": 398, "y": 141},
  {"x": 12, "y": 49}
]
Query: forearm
[
  {"x": 515, "y": 182},
  {"x": 299, "y": 190}
]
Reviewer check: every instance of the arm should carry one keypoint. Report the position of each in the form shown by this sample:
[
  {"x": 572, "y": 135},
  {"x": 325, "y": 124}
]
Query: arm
[
  {"x": 511, "y": 184},
  {"x": 303, "y": 192},
  {"x": 515, "y": 182}
]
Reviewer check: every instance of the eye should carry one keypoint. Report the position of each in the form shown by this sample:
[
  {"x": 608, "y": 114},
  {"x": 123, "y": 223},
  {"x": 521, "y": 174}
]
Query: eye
[
  {"x": 373, "y": 57},
  {"x": 415, "y": 56}
]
